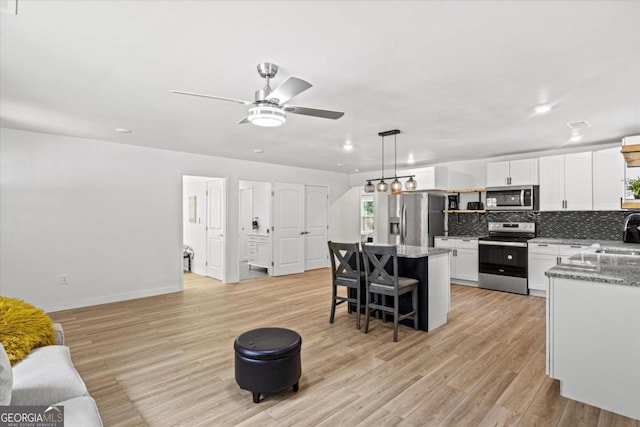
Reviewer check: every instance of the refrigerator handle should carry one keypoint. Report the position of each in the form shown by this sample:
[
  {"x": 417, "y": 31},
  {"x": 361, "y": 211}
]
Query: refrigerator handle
[{"x": 403, "y": 225}]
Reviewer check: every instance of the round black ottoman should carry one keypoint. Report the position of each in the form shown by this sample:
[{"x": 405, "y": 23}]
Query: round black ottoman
[{"x": 267, "y": 360}]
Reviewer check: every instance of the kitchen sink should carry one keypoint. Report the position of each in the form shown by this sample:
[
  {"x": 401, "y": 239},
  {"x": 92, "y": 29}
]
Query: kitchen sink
[{"x": 618, "y": 252}]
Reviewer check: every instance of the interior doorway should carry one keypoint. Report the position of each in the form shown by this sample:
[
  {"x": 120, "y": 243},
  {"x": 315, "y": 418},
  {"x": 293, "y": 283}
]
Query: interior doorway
[
  {"x": 255, "y": 247},
  {"x": 204, "y": 225}
]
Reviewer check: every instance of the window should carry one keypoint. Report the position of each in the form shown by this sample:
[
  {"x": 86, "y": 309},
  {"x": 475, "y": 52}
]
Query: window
[{"x": 366, "y": 214}]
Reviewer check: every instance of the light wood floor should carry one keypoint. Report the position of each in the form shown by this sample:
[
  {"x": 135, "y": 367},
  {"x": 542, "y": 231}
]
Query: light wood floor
[{"x": 168, "y": 360}]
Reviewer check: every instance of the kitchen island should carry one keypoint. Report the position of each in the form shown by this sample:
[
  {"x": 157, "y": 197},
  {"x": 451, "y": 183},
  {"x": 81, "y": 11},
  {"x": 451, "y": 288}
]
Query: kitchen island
[
  {"x": 593, "y": 327},
  {"x": 430, "y": 266}
]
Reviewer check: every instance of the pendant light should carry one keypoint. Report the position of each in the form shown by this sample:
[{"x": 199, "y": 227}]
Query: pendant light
[
  {"x": 411, "y": 184},
  {"x": 396, "y": 185}
]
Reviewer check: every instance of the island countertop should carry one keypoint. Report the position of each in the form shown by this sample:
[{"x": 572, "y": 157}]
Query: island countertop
[
  {"x": 593, "y": 266},
  {"x": 408, "y": 251}
]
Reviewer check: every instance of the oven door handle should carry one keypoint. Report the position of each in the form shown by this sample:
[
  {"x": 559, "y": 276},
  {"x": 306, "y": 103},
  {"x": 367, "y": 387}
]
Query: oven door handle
[{"x": 515, "y": 244}]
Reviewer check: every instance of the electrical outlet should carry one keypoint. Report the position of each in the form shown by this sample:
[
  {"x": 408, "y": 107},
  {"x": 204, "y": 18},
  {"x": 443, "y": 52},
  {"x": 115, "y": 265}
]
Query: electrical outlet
[{"x": 64, "y": 280}]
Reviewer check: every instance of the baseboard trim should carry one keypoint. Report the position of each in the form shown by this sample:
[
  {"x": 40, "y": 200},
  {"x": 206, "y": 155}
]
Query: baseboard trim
[{"x": 106, "y": 299}]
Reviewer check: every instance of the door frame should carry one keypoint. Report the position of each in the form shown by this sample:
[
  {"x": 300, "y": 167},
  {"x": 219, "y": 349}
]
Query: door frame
[
  {"x": 225, "y": 186},
  {"x": 270, "y": 226}
]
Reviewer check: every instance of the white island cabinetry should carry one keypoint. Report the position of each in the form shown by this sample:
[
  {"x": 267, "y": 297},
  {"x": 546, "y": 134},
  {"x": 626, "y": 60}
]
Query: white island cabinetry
[{"x": 593, "y": 343}]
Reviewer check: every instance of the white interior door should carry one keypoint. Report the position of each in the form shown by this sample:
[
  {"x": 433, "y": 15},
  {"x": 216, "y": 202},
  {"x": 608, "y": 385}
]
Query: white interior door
[
  {"x": 316, "y": 227},
  {"x": 288, "y": 229},
  {"x": 246, "y": 215},
  {"x": 215, "y": 228}
]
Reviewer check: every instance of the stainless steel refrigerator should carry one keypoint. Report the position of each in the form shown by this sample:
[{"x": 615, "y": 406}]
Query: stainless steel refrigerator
[{"x": 416, "y": 218}]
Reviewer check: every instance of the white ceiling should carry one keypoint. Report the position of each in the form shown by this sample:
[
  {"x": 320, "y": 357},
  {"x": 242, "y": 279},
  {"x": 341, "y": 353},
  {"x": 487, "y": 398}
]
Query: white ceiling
[{"x": 459, "y": 79}]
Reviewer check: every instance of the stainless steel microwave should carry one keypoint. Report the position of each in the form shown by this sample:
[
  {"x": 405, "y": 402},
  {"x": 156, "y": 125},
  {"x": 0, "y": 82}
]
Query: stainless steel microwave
[{"x": 514, "y": 198}]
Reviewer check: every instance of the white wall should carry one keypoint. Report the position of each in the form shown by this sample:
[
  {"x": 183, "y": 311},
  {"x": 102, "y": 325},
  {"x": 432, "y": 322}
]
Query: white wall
[
  {"x": 195, "y": 235},
  {"x": 344, "y": 217},
  {"x": 109, "y": 216}
]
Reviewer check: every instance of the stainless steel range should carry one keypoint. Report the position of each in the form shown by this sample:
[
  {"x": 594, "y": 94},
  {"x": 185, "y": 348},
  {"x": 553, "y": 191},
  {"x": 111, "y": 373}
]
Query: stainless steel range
[{"x": 503, "y": 256}]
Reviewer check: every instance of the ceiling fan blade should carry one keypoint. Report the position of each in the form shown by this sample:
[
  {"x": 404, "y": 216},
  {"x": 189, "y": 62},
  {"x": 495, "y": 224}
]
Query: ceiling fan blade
[
  {"x": 244, "y": 120},
  {"x": 288, "y": 89},
  {"x": 239, "y": 101},
  {"x": 325, "y": 114}
]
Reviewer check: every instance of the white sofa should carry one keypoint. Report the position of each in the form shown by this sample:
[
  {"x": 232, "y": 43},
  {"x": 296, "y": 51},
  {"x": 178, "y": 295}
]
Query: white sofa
[{"x": 47, "y": 377}]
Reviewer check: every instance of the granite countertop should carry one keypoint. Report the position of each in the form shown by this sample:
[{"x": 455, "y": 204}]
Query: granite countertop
[
  {"x": 407, "y": 251},
  {"x": 460, "y": 237},
  {"x": 593, "y": 266},
  {"x": 581, "y": 242}
]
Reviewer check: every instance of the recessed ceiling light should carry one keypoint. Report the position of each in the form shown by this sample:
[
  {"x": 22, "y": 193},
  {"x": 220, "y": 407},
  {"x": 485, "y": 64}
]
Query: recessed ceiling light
[
  {"x": 340, "y": 164},
  {"x": 356, "y": 170},
  {"x": 347, "y": 146},
  {"x": 123, "y": 130},
  {"x": 257, "y": 150},
  {"x": 543, "y": 108},
  {"x": 411, "y": 160}
]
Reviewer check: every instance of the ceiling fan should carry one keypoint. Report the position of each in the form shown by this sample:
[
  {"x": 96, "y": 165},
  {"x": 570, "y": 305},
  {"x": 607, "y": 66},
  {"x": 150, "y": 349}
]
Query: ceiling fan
[{"x": 270, "y": 108}]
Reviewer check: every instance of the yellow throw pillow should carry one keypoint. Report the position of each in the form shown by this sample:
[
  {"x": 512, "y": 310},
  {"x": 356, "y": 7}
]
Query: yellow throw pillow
[{"x": 23, "y": 327}]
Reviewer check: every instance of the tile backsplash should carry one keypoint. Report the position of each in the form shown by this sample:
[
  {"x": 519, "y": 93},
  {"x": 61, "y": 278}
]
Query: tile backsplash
[{"x": 600, "y": 225}]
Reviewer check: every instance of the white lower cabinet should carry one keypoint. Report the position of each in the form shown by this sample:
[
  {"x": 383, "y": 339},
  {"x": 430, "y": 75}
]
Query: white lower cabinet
[
  {"x": 542, "y": 257},
  {"x": 259, "y": 251},
  {"x": 463, "y": 258}
]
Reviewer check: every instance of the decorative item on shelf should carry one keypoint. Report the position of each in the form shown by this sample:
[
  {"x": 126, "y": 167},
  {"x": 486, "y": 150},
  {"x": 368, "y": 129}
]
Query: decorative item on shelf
[
  {"x": 453, "y": 202},
  {"x": 633, "y": 185},
  {"x": 475, "y": 206},
  {"x": 396, "y": 185}
]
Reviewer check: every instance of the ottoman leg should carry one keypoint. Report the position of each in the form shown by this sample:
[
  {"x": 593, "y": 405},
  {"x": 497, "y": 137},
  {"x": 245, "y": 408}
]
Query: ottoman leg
[
  {"x": 295, "y": 387},
  {"x": 256, "y": 397}
]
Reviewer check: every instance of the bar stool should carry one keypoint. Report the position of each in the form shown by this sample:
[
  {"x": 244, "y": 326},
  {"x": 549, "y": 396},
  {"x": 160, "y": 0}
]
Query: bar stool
[
  {"x": 380, "y": 283},
  {"x": 346, "y": 273}
]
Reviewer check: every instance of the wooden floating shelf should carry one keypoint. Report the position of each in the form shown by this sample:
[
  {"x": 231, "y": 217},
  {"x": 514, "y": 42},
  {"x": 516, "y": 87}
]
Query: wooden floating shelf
[
  {"x": 631, "y": 155},
  {"x": 467, "y": 190},
  {"x": 463, "y": 211},
  {"x": 630, "y": 204}
]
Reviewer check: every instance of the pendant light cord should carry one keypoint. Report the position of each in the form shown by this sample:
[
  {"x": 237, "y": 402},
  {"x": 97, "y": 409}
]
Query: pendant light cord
[
  {"x": 382, "y": 158},
  {"x": 395, "y": 158}
]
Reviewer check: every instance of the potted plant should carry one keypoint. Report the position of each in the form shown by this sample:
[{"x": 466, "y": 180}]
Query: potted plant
[{"x": 634, "y": 186}]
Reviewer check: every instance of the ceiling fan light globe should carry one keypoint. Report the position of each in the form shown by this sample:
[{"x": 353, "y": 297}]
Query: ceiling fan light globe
[{"x": 266, "y": 116}]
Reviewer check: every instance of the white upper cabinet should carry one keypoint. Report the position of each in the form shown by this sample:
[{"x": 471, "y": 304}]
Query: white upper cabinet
[
  {"x": 513, "y": 172},
  {"x": 429, "y": 178},
  {"x": 608, "y": 179},
  {"x": 566, "y": 182}
]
